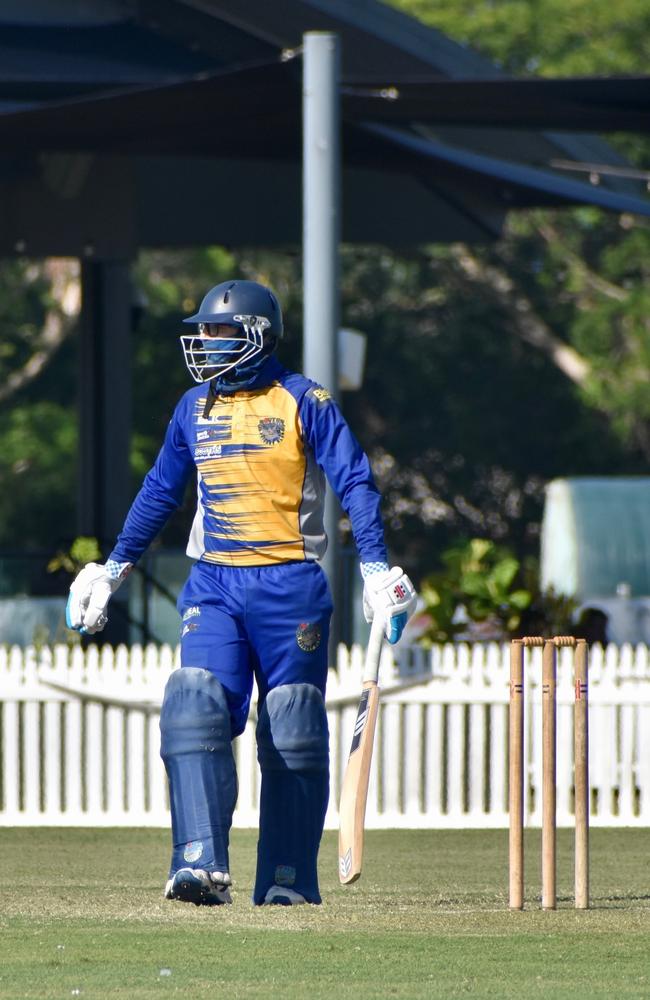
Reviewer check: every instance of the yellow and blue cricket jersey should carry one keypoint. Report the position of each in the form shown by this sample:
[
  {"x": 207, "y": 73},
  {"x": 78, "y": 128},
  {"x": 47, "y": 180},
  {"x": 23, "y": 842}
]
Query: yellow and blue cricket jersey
[{"x": 261, "y": 456}]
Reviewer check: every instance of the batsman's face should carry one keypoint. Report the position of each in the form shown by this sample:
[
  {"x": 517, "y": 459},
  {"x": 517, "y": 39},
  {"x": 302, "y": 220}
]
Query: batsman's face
[
  {"x": 230, "y": 345},
  {"x": 211, "y": 331}
]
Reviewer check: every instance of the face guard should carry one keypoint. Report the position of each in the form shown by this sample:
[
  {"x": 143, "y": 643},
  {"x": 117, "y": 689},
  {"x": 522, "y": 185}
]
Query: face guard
[{"x": 211, "y": 357}]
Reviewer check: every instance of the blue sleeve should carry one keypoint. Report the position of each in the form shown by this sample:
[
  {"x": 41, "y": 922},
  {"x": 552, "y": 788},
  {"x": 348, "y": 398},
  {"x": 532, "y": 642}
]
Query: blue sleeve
[
  {"x": 347, "y": 468},
  {"x": 161, "y": 493}
]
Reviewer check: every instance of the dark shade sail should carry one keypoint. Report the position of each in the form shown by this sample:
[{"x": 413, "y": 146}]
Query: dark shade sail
[
  {"x": 178, "y": 122},
  {"x": 608, "y": 104},
  {"x": 252, "y": 113}
]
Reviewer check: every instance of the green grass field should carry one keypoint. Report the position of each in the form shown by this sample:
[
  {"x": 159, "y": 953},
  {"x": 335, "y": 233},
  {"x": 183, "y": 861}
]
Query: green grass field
[{"x": 82, "y": 915}]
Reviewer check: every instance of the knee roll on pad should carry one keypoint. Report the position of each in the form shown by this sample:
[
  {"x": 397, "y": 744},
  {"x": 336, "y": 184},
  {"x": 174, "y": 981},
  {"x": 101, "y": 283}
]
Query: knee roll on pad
[
  {"x": 194, "y": 714},
  {"x": 292, "y": 729}
]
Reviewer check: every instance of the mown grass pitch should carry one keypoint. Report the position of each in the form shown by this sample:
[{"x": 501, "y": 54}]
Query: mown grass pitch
[{"x": 82, "y": 915}]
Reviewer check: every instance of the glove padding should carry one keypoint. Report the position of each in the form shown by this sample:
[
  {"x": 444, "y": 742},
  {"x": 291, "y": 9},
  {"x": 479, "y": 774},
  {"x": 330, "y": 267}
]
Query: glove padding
[
  {"x": 391, "y": 594},
  {"x": 90, "y": 592}
]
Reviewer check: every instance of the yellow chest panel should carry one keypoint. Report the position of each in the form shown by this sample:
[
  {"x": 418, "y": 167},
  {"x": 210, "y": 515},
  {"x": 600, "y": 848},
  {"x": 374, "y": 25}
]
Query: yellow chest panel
[{"x": 251, "y": 459}]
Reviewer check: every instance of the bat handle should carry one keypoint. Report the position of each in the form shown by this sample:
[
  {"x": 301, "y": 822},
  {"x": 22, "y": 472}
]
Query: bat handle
[{"x": 373, "y": 652}]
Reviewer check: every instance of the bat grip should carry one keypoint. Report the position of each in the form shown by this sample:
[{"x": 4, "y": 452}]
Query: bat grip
[{"x": 373, "y": 652}]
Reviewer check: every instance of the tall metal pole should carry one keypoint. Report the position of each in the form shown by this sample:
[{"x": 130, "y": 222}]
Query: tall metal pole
[{"x": 321, "y": 236}]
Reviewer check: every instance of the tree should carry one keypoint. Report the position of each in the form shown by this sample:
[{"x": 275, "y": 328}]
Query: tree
[
  {"x": 545, "y": 37},
  {"x": 39, "y": 304},
  {"x": 573, "y": 283},
  {"x": 464, "y": 421},
  {"x": 41, "y": 308}
]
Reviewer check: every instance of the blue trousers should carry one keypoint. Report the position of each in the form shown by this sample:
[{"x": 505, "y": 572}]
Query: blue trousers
[{"x": 268, "y": 622}]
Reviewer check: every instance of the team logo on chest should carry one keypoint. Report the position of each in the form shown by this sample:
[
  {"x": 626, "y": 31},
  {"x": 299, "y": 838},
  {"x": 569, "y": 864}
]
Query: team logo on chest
[{"x": 271, "y": 429}]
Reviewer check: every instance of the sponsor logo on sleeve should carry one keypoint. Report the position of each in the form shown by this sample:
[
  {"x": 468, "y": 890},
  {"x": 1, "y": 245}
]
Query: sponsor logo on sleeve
[
  {"x": 192, "y": 612},
  {"x": 321, "y": 395}
]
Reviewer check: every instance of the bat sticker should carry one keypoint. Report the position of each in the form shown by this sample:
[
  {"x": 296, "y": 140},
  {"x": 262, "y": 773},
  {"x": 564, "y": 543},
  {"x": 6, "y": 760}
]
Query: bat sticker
[
  {"x": 362, "y": 715},
  {"x": 345, "y": 863}
]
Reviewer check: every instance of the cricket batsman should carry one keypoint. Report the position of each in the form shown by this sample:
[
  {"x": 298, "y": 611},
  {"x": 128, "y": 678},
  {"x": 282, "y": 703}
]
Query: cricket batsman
[{"x": 256, "y": 604}]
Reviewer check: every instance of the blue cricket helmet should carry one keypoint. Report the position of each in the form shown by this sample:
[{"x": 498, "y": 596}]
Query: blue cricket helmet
[{"x": 254, "y": 313}]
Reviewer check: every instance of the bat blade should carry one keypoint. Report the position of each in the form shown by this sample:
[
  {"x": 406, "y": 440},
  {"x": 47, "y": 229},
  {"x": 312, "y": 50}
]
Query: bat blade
[{"x": 354, "y": 793}]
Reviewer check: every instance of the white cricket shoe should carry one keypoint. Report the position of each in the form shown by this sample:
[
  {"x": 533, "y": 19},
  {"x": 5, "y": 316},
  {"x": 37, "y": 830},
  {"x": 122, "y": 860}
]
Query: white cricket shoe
[
  {"x": 193, "y": 885},
  {"x": 279, "y": 896}
]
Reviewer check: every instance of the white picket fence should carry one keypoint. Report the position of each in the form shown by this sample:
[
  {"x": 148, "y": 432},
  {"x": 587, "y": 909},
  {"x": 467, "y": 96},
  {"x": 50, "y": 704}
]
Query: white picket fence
[{"x": 79, "y": 737}]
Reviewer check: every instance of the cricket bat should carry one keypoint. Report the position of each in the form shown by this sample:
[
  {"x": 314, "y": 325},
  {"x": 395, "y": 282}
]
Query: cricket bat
[{"x": 354, "y": 793}]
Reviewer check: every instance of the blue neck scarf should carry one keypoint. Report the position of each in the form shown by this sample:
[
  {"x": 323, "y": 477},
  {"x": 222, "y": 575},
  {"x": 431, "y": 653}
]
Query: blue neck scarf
[{"x": 268, "y": 372}]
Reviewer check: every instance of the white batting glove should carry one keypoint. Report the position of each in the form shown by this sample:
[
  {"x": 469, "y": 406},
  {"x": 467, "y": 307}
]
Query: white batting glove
[
  {"x": 388, "y": 592},
  {"x": 90, "y": 592}
]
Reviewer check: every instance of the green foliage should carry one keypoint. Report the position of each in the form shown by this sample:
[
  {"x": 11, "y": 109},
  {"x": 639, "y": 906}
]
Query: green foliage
[
  {"x": 23, "y": 302},
  {"x": 477, "y": 584},
  {"x": 550, "y": 613},
  {"x": 463, "y": 421},
  {"x": 83, "y": 550},
  {"x": 484, "y": 592},
  {"x": 545, "y": 37},
  {"x": 38, "y": 459}
]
